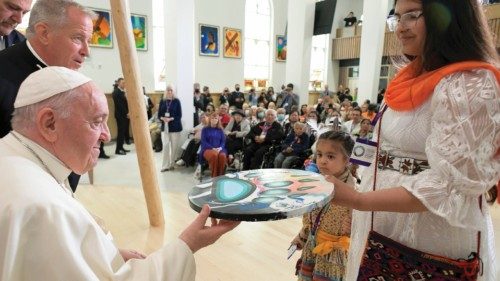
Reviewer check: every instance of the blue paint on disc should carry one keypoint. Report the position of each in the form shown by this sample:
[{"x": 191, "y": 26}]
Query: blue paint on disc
[
  {"x": 307, "y": 180},
  {"x": 228, "y": 190},
  {"x": 275, "y": 184},
  {"x": 275, "y": 192}
]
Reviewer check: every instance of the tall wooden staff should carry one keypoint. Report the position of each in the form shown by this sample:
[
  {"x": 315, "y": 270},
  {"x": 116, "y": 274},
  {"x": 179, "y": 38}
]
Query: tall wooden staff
[{"x": 137, "y": 110}]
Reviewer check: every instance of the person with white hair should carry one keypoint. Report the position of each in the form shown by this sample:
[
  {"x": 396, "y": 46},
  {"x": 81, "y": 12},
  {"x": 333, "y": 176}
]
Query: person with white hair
[
  {"x": 59, "y": 121},
  {"x": 262, "y": 136},
  {"x": 170, "y": 113}
]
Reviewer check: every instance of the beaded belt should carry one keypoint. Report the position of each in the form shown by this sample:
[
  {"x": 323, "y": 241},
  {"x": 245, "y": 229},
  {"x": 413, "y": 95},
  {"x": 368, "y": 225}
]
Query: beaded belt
[{"x": 404, "y": 165}]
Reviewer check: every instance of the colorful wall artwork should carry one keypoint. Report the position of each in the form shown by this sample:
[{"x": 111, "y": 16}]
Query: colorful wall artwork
[
  {"x": 209, "y": 40},
  {"x": 280, "y": 48},
  {"x": 259, "y": 195},
  {"x": 232, "y": 43},
  {"x": 139, "y": 25},
  {"x": 102, "y": 32}
]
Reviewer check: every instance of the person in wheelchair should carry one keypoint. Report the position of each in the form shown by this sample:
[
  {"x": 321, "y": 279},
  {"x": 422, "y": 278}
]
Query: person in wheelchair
[
  {"x": 296, "y": 142},
  {"x": 235, "y": 131},
  {"x": 261, "y": 137}
]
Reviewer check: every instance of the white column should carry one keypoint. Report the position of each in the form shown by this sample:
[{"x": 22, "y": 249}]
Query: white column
[
  {"x": 372, "y": 46},
  {"x": 179, "y": 54},
  {"x": 300, "y": 32}
]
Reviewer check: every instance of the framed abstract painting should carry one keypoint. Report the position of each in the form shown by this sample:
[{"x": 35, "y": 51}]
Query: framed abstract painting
[
  {"x": 102, "y": 31},
  {"x": 209, "y": 40},
  {"x": 232, "y": 43},
  {"x": 139, "y": 29},
  {"x": 280, "y": 48}
]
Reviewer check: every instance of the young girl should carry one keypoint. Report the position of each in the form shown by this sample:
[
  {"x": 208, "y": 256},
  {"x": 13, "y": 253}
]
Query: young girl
[{"x": 324, "y": 237}]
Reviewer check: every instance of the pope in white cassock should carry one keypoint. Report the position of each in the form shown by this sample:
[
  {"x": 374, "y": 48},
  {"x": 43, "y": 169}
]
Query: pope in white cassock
[{"x": 45, "y": 234}]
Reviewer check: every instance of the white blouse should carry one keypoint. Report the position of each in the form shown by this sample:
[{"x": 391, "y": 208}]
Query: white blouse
[{"x": 458, "y": 131}]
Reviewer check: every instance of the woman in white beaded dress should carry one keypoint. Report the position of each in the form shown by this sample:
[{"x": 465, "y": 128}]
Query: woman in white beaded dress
[{"x": 439, "y": 139}]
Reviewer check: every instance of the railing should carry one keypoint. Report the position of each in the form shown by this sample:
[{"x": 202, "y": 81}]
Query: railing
[{"x": 350, "y": 47}]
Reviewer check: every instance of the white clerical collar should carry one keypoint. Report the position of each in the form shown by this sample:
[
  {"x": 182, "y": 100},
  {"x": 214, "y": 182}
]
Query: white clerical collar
[
  {"x": 55, "y": 167},
  {"x": 34, "y": 53}
]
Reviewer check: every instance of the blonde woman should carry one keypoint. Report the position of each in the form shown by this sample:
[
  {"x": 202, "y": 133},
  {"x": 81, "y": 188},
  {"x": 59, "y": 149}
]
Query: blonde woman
[{"x": 170, "y": 114}]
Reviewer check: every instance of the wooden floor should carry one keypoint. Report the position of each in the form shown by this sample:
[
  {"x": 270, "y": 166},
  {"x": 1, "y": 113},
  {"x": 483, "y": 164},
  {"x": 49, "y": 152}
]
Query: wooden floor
[{"x": 253, "y": 251}]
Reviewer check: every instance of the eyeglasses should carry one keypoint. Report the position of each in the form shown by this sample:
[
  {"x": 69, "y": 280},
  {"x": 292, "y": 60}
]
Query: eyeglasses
[{"x": 406, "y": 20}]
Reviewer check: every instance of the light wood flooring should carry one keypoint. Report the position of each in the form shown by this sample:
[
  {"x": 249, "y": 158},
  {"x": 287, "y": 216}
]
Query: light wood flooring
[{"x": 253, "y": 251}]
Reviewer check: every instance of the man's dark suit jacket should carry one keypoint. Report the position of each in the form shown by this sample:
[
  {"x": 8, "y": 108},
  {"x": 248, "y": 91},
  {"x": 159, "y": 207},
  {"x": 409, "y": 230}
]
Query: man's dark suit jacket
[
  {"x": 17, "y": 63},
  {"x": 13, "y": 38}
]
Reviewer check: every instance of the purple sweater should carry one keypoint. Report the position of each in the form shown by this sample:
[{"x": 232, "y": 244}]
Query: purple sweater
[{"x": 212, "y": 138}]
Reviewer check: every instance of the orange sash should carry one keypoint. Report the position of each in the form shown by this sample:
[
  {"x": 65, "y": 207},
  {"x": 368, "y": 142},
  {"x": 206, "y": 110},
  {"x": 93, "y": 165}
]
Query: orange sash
[
  {"x": 326, "y": 243},
  {"x": 408, "y": 91}
]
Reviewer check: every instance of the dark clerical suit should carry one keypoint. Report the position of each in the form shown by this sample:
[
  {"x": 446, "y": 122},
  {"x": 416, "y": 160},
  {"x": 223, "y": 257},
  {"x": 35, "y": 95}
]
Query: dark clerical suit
[
  {"x": 122, "y": 121},
  {"x": 16, "y": 64},
  {"x": 13, "y": 38}
]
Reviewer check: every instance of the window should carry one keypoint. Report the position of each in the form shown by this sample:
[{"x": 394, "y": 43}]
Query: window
[
  {"x": 319, "y": 60},
  {"x": 159, "y": 45},
  {"x": 257, "y": 40}
]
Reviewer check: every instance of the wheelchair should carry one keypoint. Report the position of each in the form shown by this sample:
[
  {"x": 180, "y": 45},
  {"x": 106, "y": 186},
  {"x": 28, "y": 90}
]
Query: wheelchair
[{"x": 268, "y": 159}]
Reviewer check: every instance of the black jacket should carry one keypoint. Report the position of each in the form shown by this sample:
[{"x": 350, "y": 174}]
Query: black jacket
[
  {"x": 274, "y": 133},
  {"x": 13, "y": 38},
  {"x": 17, "y": 63}
]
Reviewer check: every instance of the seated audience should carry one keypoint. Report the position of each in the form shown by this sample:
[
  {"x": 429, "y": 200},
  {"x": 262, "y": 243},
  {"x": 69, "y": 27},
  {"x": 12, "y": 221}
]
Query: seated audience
[
  {"x": 365, "y": 131},
  {"x": 235, "y": 131},
  {"x": 281, "y": 115},
  {"x": 292, "y": 119},
  {"x": 312, "y": 123},
  {"x": 209, "y": 109},
  {"x": 263, "y": 98},
  {"x": 371, "y": 112},
  {"x": 353, "y": 126},
  {"x": 271, "y": 105},
  {"x": 295, "y": 143},
  {"x": 303, "y": 113},
  {"x": 262, "y": 136},
  {"x": 224, "y": 116}
]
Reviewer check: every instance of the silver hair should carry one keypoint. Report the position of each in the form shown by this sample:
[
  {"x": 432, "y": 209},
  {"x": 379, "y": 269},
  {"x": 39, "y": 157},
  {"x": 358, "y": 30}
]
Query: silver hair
[
  {"x": 299, "y": 124},
  {"x": 24, "y": 118},
  {"x": 272, "y": 111},
  {"x": 169, "y": 86},
  {"x": 53, "y": 12}
]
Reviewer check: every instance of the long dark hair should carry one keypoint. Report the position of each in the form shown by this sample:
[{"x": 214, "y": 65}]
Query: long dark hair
[{"x": 456, "y": 31}]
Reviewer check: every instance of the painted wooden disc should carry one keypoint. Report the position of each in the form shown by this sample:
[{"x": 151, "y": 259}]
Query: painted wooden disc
[{"x": 260, "y": 195}]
